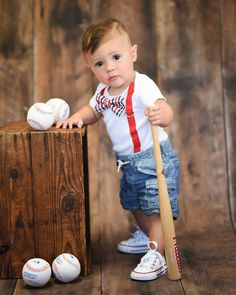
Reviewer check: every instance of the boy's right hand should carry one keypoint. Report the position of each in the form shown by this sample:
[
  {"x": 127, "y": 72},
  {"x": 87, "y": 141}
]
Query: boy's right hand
[{"x": 73, "y": 121}]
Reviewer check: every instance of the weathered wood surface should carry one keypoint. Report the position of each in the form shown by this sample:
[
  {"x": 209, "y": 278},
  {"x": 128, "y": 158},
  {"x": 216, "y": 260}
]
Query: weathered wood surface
[
  {"x": 140, "y": 26},
  {"x": 7, "y": 287},
  {"x": 44, "y": 197},
  {"x": 209, "y": 262},
  {"x": 60, "y": 70},
  {"x": 16, "y": 203},
  {"x": 229, "y": 94},
  {"x": 188, "y": 48},
  {"x": 16, "y": 59},
  {"x": 58, "y": 176},
  {"x": 189, "y": 71}
]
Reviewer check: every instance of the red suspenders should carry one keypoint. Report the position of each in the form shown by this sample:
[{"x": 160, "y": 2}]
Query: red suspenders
[{"x": 131, "y": 119}]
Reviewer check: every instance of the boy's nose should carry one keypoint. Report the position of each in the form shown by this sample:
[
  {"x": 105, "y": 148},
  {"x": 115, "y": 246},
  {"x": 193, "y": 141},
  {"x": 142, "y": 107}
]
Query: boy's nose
[{"x": 110, "y": 67}]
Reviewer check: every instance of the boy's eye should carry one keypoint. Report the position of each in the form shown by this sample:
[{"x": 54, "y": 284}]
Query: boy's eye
[
  {"x": 116, "y": 56},
  {"x": 98, "y": 64}
]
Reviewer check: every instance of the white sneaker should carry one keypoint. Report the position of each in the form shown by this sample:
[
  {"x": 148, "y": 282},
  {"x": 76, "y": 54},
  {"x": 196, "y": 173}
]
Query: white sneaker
[
  {"x": 136, "y": 244},
  {"x": 151, "y": 266}
]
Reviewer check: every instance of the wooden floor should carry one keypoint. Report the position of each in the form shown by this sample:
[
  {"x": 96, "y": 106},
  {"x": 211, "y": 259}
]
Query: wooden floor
[
  {"x": 208, "y": 265},
  {"x": 207, "y": 246}
]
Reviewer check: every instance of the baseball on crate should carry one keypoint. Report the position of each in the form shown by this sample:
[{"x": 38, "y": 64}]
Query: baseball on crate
[
  {"x": 36, "y": 272},
  {"x": 66, "y": 267},
  {"x": 40, "y": 116},
  {"x": 60, "y": 108}
]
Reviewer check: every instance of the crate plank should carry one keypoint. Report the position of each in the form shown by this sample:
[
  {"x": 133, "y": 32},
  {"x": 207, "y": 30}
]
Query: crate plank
[
  {"x": 58, "y": 176},
  {"x": 16, "y": 203},
  {"x": 44, "y": 200}
]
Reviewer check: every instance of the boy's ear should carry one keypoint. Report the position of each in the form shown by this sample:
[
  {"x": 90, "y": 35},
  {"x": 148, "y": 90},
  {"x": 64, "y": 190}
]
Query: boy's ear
[
  {"x": 86, "y": 60},
  {"x": 134, "y": 52}
]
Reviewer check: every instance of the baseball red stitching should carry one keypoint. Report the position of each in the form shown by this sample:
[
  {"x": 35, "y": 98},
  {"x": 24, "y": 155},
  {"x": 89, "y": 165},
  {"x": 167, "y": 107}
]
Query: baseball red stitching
[
  {"x": 37, "y": 123},
  {"x": 42, "y": 111},
  {"x": 34, "y": 283},
  {"x": 37, "y": 269},
  {"x": 70, "y": 262},
  {"x": 57, "y": 272}
]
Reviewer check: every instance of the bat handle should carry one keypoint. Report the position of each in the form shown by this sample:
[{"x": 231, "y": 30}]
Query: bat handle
[
  {"x": 156, "y": 146},
  {"x": 157, "y": 149}
]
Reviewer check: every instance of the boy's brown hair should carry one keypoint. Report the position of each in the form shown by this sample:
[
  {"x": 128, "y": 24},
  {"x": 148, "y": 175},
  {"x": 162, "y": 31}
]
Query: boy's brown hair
[{"x": 96, "y": 32}]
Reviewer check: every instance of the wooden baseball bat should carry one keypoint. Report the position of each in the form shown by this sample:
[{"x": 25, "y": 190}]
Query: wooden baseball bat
[{"x": 171, "y": 249}]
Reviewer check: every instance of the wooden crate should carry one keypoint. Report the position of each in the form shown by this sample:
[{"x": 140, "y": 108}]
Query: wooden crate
[{"x": 44, "y": 201}]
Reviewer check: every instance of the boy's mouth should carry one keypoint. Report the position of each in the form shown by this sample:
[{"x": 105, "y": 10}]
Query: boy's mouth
[{"x": 112, "y": 78}]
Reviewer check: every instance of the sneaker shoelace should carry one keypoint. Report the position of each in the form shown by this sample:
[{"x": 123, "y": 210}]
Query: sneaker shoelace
[
  {"x": 150, "y": 259},
  {"x": 152, "y": 256},
  {"x": 138, "y": 235}
]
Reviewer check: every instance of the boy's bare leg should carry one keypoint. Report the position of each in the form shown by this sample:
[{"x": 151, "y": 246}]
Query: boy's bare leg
[
  {"x": 155, "y": 231},
  {"x": 142, "y": 221},
  {"x": 151, "y": 226}
]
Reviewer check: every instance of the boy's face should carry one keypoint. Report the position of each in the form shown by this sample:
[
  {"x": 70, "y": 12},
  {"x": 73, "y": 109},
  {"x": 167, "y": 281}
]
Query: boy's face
[{"x": 112, "y": 62}]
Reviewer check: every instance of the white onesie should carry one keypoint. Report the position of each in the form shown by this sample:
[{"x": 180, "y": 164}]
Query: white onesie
[{"x": 145, "y": 93}]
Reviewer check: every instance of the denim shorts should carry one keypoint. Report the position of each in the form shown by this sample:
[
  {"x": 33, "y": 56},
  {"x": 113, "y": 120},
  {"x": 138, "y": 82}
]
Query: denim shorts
[{"x": 138, "y": 183}]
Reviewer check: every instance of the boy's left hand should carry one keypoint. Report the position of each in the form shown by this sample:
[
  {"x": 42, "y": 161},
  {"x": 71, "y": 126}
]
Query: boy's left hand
[{"x": 160, "y": 113}]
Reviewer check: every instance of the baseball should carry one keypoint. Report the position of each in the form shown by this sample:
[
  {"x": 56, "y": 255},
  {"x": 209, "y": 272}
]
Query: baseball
[
  {"x": 66, "y": 267},
  {"x": 40, "y": 116},
  {"x": 36, "y": 272},
  {"x": 60, "y": 108}
]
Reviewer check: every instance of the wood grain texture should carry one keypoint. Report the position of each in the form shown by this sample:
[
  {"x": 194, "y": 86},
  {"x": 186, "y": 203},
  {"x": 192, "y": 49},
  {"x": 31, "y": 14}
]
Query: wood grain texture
[
  {"x": 16, "y": 203},
  {"x": 209, "y": 262},
  {"x": 189, "y": 73},
  {"x": 60, "y": 70},
  {"x": 16, "y": 67},
  {"x": 44, "y": 196},
  {"x": 189, "y": 70},
  {"x": 139, "y": 25},
  {"x": 60, "y": 214},
  {"x": 7, "y": 287},
  {"x": 228, "y": 23}
]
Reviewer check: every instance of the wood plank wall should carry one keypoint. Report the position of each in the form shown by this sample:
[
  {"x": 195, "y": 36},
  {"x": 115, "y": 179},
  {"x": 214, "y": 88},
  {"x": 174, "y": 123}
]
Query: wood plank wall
[
  {"x": 228, "y": 18},
  {"x": 187, "y": 46},
  {"x": 190, "y": 70}
]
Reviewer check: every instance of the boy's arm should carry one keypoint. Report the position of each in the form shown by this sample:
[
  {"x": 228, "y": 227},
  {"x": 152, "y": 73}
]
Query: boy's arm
[
  {"x": 85, "y": 116},
  {"x": 160, "y": 114}
]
